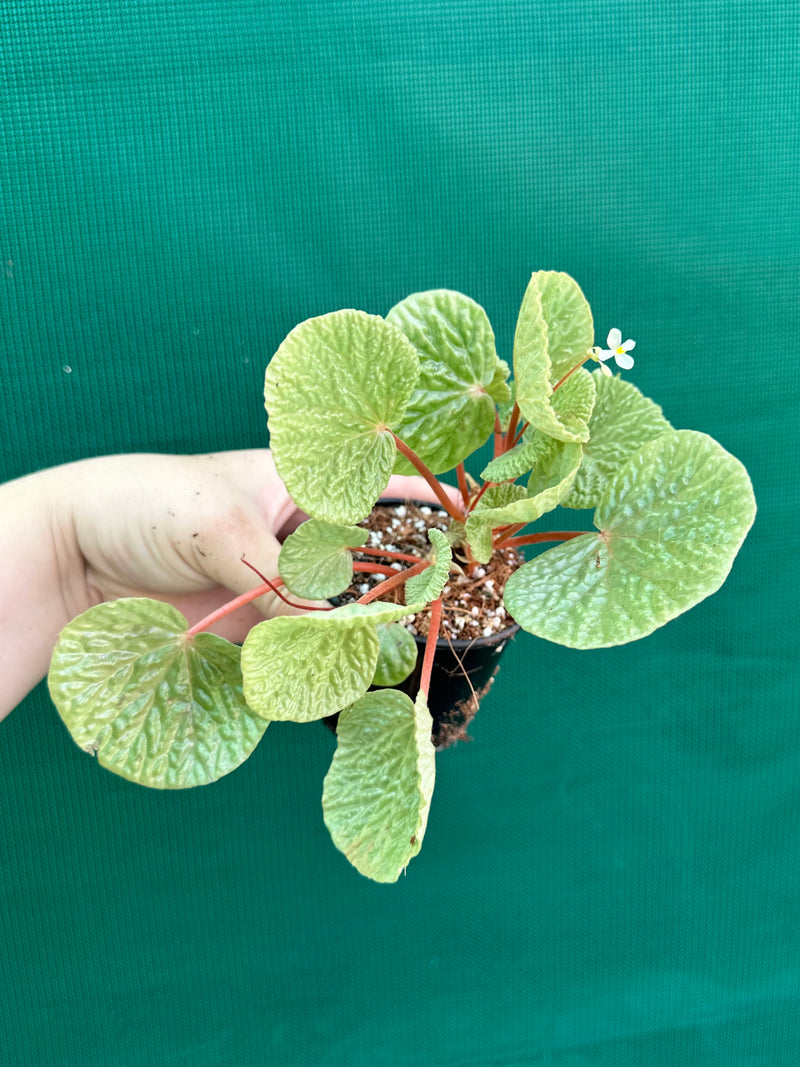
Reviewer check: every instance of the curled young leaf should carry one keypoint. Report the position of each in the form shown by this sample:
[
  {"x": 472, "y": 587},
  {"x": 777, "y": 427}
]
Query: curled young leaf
[
  {"x": 428, "y": 585},
  {"x": 550, "y": 481},
  {"x": 554, "y": 332}
]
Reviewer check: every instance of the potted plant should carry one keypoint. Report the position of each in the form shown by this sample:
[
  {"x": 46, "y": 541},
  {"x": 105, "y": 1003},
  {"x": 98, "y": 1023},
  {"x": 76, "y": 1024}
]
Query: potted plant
[{"x": 352, "y": 398}]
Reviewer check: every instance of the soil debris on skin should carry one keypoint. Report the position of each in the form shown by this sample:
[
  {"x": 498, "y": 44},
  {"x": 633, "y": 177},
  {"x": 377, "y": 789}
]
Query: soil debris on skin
[{"x": 472, "y": 603}]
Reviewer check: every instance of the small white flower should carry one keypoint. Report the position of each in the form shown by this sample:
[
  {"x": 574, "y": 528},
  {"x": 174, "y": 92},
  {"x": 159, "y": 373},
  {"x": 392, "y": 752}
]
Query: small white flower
[{"x": 617, "y": 350}]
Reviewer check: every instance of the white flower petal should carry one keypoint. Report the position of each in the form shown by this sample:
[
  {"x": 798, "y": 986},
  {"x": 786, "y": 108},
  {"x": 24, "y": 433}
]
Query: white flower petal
[
  {"x": 614, "y": 338},
  {"x": 628, "y": 346},
  {"x": 625, "y": 361},
  {"x": 604, "y": 353}
]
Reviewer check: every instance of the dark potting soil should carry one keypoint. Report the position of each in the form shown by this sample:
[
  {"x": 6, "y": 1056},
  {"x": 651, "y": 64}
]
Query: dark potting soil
[{"x": 472, "y": 599}]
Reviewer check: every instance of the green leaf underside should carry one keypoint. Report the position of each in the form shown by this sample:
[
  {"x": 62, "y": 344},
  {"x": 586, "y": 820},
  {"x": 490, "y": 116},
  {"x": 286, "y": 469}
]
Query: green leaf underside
[
  {"x": 158, "y": 708},
  {"x": 451, "y": 412},
  {"x": 671, "y": 523},
  {"x": 428, "y": 585},
  {"x": 573, "y": 403},
  {"x": 622, "y": 420},
  {"x": 547, "y": 487},
  {"x": 304, "y": 667},
  {"x": 397, "y": 656},
  {"x": 512, "y": 464},
  {"x": 554, "y": 332},
  {"x": 377, "y": 792},
  {"x": 333, "y": 390},
  {"x": 315, "y": 561}
]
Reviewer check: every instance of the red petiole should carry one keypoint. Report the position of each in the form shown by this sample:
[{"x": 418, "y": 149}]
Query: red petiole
[
  {"x": 404, "y": 556},
  {"x": 398, "y": 578},
  {"x": 418, "y": 464},
  {"x": 512, "y": 427},
  {"x": 430, "y": 647},
  {"x": 538, "y": 538},
  {"x": 461, "y": 474}
]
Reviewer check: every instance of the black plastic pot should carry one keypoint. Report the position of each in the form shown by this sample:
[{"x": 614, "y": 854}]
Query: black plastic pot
[{"x": 462, "y": 674}]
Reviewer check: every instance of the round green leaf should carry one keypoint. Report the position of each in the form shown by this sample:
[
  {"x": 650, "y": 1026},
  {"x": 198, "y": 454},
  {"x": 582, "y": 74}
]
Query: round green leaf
[
  {"x": 304, "y": 667},
  {"x": 671, "y": 523},
  {"x": 554, "y": 332},
  {"x": 315, "y": 561},
  {"x": 334, "y": 389},
  {"x": 158, "y": 708},
  {"x": 451, "y": 412},
  {"x": 622, "y": 420},
  {"x": 397, "y": 657},
  {"x": 377, "y": 793},
  {"x": 428, "y": 585}
]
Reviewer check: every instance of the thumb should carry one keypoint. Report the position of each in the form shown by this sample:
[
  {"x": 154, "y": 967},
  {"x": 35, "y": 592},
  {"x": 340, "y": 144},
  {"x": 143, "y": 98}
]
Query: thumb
[{"x": 242, "y": 554}]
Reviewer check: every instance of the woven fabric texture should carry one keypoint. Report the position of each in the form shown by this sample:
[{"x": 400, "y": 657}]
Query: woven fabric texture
[{"x": 611, "y": 874}]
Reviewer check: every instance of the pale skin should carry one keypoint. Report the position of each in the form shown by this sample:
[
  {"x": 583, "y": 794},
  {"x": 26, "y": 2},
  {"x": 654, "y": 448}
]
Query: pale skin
[{"x": 174, "y": 528}]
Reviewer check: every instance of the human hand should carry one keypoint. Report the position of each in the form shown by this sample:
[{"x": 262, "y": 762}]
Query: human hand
[
  {"x": 174, "y": 528},
  {"x": 177, "y": 528}
]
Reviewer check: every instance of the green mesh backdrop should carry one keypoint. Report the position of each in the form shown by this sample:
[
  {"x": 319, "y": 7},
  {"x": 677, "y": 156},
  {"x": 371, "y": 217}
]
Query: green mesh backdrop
[{"x": 611, "y": 874}]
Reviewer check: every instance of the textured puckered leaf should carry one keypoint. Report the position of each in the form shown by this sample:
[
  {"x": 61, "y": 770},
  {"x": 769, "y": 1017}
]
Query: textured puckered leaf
[
  {"x": 546, "y": 488},
  {"x": 573, "y": 403},
  {"x": 622, "y": 420},
  {"x": 499, "y": 388},
  {"x": 480, "y": 522},
  {"x": 512, "y": 464},
  {"x": 315, "y": 561},
  {"x": 451, "y": 412},
  {"x": 333, "y": 390},
  {"x": 428, "y": 585},
  {"x": 555, "y": 467},
  {"x": 304, "y": 667},
  {"x": 377, "y": 793},
  {"x": 398, "y": 654},
  {"x": 554, "y": 332},
  {"x": 670, "y": 522},
  {"x": 158, "y": 707}
]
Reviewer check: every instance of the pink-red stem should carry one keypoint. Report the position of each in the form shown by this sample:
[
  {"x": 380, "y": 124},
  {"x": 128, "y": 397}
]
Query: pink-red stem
[
  {"x": 537, "y": 538},
  {"x": 418, "y": 464},
  {"x": 499, "y": 442},
  {"x": 461, "y": 474},
  {"x": 240, "y": 601},
  {"x": 430, "y": 647},
  {"x": 404, "y": 556},
  {"x": 512, "y": 427},
  {"x": 391, "y": 583}
]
